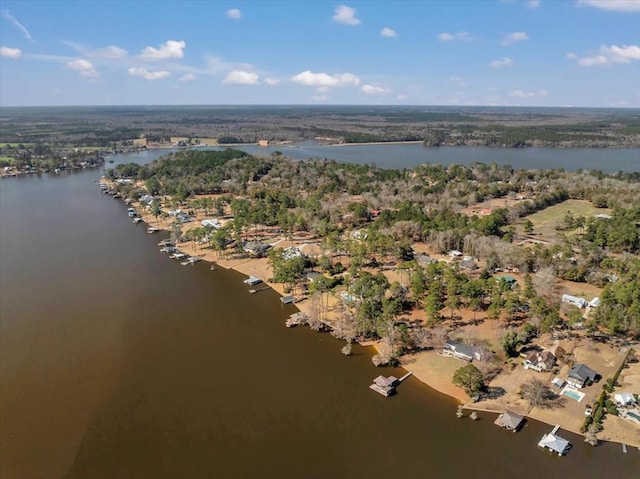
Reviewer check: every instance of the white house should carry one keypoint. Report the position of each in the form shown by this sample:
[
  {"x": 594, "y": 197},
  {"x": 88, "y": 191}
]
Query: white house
[
  {"x": 460, "y": 351},
  {"x": 575, "y": 300},
  {"x": 624, "y": 399}
]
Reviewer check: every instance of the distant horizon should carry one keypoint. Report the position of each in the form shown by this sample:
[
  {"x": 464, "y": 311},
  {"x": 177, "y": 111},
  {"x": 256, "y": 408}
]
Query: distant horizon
[
  {"x": 331, "y": 105},
  {"x": 493, "y": 53}
]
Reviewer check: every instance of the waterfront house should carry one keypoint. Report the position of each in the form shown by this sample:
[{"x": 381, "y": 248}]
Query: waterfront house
[
  {"x": 287, "y": 299},
  {"x": 624, "y": 399},
  {"x": 460, "y": 351},
  {"x": 580, "y": 375},
  {"x": 256, "y": 248},
  {"x": 554, "y": 443},
  {"x": 510, "y": 421},
  {"x": 539, "y": 361},
  {"x": 574, "y": 300}
]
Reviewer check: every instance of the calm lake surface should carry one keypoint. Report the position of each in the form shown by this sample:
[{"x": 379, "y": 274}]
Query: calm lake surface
[
  {"x": 410, "y": 155},
  {"x": 116, "y": 362}
]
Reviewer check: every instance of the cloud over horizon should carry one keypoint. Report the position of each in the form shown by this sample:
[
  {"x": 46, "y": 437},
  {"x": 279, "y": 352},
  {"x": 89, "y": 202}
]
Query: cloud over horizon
[
  {"x": 234, "y": 14},
  {"x": 388, "y": 32},
  {"x": 8, "y": 52},
  {"x": 613, "y": 5},
  {"x": 451, "y": 37},
  {"x": 171, "y": 49},
  {"x": 309, "y": 78},
  {"x": 238, "y": 77},
  {"x": 84, "y": 68},
  {"x": 608, "y": 55},
  {"x": 502, "y": 63},
  {"x": 515, "y": 37},
  {"x": 148, "y": 75}
]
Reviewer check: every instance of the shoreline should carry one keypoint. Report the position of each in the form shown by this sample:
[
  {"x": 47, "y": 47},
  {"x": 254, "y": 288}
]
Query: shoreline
[{"x": 422, "y": 370}]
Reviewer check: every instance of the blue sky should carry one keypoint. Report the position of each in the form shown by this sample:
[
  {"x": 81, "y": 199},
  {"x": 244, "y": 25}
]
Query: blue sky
[{"x": 519, "y": 52}]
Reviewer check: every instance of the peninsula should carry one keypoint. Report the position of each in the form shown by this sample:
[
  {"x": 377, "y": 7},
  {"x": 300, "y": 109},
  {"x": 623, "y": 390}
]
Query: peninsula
[{"x": 495, "y": 286}]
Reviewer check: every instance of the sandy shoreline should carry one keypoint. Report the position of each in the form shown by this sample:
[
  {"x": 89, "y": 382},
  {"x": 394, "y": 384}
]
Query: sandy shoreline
[{"x": 429, "y": 367}]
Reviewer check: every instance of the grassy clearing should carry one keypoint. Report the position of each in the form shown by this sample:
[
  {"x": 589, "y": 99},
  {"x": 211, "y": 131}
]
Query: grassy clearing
[
  {"x": 7, "y": 159},
  {"x": 14, "y": 145},
  {"x": 545, "y": 221}
]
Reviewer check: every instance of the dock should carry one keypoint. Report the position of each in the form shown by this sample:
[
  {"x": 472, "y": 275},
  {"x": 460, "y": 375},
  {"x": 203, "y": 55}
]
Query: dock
[{"x": 252, "y": 281}]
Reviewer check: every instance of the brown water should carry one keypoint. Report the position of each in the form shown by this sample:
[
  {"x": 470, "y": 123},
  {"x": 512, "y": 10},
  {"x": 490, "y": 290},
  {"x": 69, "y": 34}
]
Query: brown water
[{"x": 116, "y": 362}]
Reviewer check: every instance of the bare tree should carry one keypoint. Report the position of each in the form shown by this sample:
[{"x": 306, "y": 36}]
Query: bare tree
[
  {"x": 590, "y": 436},
  {"x": 439, "y": 336},
  {"x": 537, "y": 393},
  {"x": 544, "y": 281}
]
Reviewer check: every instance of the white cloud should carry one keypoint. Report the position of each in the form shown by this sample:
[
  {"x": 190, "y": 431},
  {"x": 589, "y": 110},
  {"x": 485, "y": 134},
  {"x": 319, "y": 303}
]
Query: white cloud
[
  {"x": 9, "y": 52},
  {"x": 170, "y": 49},
  {"x": 320, "y": 97},
  {"x": 608, "y": 55},
  {"x": 272, "y": 81},
  {"x": 345, "y": 15},
  {"x": 388, "y": 32},
  {"x": 111, "y": 52},
  {"x": 14, "y": 21},
  {"x": 503, "y": 63},
  {"x": 148, "y": 75},
  {"x": 84, "y": 68},
  {"x": 188, "y": 77},
  {"x": 528, "y": 94},
  {"x": 374, "y": 90},
  {"x": 309, "y": 78},
  {"x": 238, "y": 77},
  {"x": 614, "y": 5},
  {"x": 401, "y": 97},
  {"x": 458, "y": 81},
  {"x": 571, "y": 56},
  {"x": 534, "y": 3},
  {"x": 450, "y": 37},
  {"x": 514, "y": 37},
  {"x": 234, "y": 13}
]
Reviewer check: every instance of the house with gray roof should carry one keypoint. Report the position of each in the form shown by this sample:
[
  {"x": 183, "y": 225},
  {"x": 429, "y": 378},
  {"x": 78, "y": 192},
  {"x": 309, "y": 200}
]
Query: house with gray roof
[
  {"x": 580, "y": 375},
  {"x": 460, "y": 351}
]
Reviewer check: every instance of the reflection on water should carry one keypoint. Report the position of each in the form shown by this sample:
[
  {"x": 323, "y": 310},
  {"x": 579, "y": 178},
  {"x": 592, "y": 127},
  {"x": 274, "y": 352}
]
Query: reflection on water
[{"x": 117, "y": 362}]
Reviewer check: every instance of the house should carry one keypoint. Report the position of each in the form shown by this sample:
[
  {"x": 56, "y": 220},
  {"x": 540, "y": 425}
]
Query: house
[
  {"x": 211, "y": 223},
  {"x": 510, "y": 421},
  {"x": 460, "y": 351},
  {"x": 624, "y": 399},
  {"x": 557, "y": 382},
  {"x": 595, "y": 302},
  {"x": 455, "y": 254},
  {"x": 554, "y": 443},
  {"x": 292, "y": 252},
  {"x": 425, "y": 259},
  {"x": 574, "y": 300},
  {"x": 312, "y": 276},
  {"x": 580, "y": 375},
  {"x": 468, "y": 263},
  {"x": 537, "y": 361},
  {"x": 263, "y": 143},
  {"x": 256, "y": 248}
]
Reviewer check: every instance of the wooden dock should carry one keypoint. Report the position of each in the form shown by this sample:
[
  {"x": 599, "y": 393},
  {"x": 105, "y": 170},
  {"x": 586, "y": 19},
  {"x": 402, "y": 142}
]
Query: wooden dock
[{"x": 387, "y": 385}]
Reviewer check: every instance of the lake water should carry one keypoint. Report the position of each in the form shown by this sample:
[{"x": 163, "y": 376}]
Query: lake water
[
  {"x": 116, "y": 362},
  {"x": 410, "y": 155}
]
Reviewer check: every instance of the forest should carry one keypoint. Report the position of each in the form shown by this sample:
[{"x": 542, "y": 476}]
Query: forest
[{"x": 371, "y": 217}]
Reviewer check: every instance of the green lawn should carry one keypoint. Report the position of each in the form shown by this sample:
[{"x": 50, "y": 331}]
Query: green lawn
[
  {"x": 545, "y": 221},
  {"x": 7, "y": 159}
]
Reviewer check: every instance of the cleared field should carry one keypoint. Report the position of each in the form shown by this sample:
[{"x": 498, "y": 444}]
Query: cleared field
[
  {"x": 545, "y": 221},
  {"x": 14, "y": 145},
  {"x": 7, "y": 159}
]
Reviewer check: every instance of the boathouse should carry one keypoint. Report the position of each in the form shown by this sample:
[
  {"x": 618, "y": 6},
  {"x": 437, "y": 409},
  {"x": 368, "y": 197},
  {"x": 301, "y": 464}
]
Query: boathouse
[
  {"x": 510, "y": 421},
  {"x": 554, "y": 443}
]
